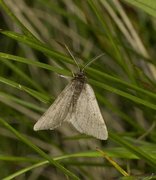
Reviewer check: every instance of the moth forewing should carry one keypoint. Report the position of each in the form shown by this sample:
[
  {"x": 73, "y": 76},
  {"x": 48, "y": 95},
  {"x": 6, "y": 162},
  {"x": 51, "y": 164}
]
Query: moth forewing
[
  {"x": 87, "y": 117},
  {"x": 57, "y": 112}
]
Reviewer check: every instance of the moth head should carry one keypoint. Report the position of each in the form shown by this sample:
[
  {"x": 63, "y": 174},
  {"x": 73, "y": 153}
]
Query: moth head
[{"x": 80, "y": 76}]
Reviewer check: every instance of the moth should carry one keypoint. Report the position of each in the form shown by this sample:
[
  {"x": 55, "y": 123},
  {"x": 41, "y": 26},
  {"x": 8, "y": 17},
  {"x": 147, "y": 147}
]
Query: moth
[{"x": 77, "y": 105}]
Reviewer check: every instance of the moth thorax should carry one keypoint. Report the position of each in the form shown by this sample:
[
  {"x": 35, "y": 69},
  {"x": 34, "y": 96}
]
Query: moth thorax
[{"x": 80, "y": 76}]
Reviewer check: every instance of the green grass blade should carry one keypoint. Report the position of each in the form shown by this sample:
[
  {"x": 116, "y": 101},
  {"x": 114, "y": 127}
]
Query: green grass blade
[
  {"x": 38, "y": 46},
  {"x": 105, "y": 27},
  {"x": 65, "y": 72},
  {"x": 22, "y": 75},
  {"x": 116, "y": 152},
  {"x": 34, "y": 63},
  {"x": 14, "y": 18},
  {"x": 22, "y": 102},
  {"x": 148, "y": 6},
  {"x": 134, "y": 149},
  {"x": 122, "y": 82},
  {"x": 24, "y": 170},
  {"x": 38, "y": 150},
  {"x": 123, "y": 94},
  {"x": 40, "y": 96}
]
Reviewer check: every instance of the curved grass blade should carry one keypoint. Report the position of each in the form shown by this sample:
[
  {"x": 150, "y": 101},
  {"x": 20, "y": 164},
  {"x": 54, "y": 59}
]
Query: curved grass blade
[
  {"x": 22, "y": 102},
  {"x": 40, "y": 96},
  {"x": 111, "y": 161},
  {"x": 34, "y": 63},
  {"x": 14, "y": 18},
  {"x": 134, "y": 149},
  {"x": 147, "y": 6},
  {"x": 124, "y": 94},
  {"x": 65, "y": 72},
  {"x": 22, "y": 75},
  {"x": 38, "y": 46},
  {"x": 38, "y": 150},
  {"x": 117, "y": 152},
  {"x": 117, "y": 80}
]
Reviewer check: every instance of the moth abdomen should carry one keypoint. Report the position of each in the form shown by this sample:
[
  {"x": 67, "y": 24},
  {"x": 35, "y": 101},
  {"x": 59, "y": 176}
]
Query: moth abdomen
[{"x": 79, "y": 80}]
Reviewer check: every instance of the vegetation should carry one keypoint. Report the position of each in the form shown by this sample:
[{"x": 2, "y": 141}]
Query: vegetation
[{"x": 32, "y": 57}]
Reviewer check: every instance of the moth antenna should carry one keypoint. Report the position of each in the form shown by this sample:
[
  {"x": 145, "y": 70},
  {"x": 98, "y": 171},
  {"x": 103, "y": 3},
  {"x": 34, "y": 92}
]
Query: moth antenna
[
  {"x": 92, "y": 60},
  {"x": 72, "y": 56}
]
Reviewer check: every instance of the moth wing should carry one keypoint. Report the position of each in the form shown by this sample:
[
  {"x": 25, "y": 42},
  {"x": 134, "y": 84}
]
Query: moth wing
[
  {"x": 57, "y": 112},
  {"x": 87, "y": 117}
]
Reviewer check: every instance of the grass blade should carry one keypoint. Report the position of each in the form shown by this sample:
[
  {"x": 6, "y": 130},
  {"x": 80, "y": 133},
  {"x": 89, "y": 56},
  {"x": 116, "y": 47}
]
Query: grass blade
[{"x": 38, "y": 150}]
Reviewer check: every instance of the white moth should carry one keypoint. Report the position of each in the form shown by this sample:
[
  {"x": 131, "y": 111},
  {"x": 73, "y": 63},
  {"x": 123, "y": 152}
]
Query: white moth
[{"x": 77, "y": 105}]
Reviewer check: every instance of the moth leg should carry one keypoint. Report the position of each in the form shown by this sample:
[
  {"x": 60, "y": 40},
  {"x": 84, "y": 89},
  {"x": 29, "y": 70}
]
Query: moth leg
[{"x": 65, "y": 77}]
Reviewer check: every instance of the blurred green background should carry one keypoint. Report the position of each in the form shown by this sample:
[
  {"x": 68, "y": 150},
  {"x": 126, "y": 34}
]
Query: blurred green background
[{"x": 32, "y": 59}]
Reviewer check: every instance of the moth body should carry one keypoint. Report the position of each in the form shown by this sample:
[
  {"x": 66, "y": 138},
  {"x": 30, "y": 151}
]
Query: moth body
[
  {"x": 79, "y": 80},
  {"x": 77, "y": 105}
]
